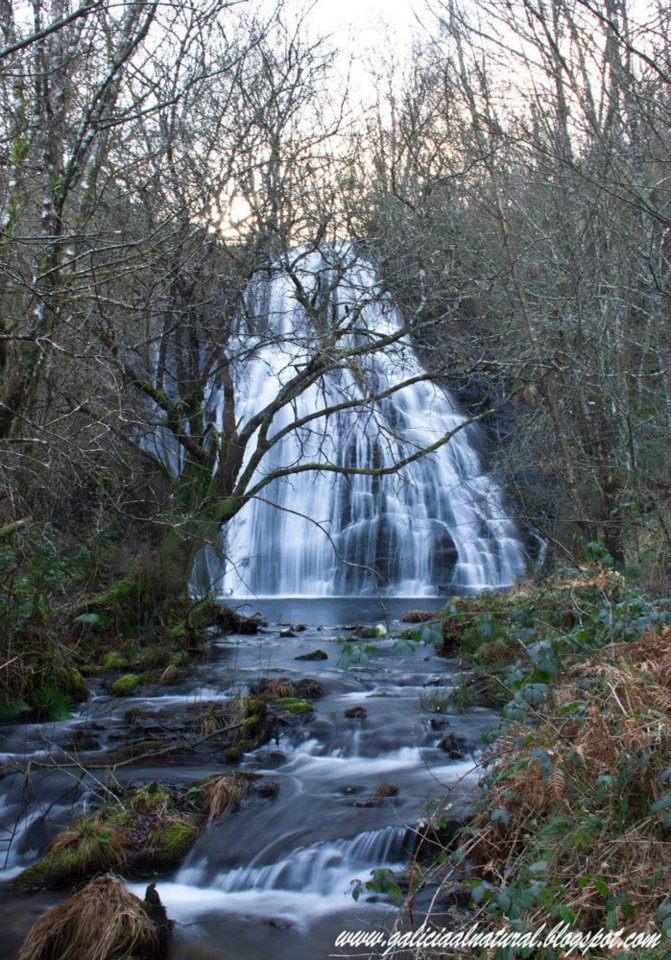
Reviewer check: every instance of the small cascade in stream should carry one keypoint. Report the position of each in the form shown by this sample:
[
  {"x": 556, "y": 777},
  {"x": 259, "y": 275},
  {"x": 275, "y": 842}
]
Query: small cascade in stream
[
  {"x": 438, "y": 524},
  {"x": 324, "y": 869}
]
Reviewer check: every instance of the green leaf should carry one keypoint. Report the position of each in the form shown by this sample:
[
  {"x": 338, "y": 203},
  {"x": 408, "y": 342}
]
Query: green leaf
[
  {"x": 664, "y": 910},
  {"x": 11, "y": 710},
  {"x": 500, "y": 815},
  {"x": 664, "y": 803},
  {"x": 88, "y": 619},
  {"x": 431, "y": 635}
]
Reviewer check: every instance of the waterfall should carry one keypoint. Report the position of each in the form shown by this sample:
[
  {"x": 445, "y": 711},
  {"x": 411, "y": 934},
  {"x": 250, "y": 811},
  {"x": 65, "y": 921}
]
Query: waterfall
[
  {"x": 324, "y": 868},
  {"x": 439, "y": 524}
]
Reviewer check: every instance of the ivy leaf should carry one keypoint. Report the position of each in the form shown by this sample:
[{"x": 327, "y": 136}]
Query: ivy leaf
[
  {"x": 500, "y": 815},
  {"x": 664, "y": 803}
]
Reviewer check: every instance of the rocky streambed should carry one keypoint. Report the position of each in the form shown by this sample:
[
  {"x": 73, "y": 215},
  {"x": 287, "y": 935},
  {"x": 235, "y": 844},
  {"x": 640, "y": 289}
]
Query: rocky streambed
[{"x": 339, "y": 745}]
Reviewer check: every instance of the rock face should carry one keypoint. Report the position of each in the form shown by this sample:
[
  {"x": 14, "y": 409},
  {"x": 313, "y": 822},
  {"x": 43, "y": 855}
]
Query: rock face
[{"x": 102, "y": 921}]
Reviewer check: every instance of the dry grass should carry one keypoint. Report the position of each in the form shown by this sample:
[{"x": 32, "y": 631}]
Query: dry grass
[
  {"x": 97, "y": 845},
  {"x": 421, "y": 616},
  {"x": 224, "y": 795},
  {"x": 383, "y": 792},
  {"x": 582, "y": 783},
  {"x": 310, "y": 689},
  {"x": 279, "y": 688},
  {"x": 104, "y": 921}
]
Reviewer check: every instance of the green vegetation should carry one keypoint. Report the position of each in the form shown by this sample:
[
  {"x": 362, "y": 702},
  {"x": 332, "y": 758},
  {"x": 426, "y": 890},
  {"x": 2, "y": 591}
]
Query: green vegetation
[
  {"x": 575, "y": 819},
  {"x": 125, "y": 686},
  {"x": 149, "y": 830},
  {"x": 57, "y": 626},
  {"x": 293, "y": 705}
]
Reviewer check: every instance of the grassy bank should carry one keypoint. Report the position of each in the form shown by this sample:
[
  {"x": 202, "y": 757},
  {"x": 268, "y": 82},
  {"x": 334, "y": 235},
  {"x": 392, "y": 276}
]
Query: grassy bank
[
  {"x": 574, "y": 823},
  {"x": 71, "y": 610}
]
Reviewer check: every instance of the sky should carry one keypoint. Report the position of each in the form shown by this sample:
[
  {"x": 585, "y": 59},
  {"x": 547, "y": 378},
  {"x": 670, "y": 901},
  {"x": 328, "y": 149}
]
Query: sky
[
  {"x": 362, "y": 19},
  {"x": 368, "y": 33}
]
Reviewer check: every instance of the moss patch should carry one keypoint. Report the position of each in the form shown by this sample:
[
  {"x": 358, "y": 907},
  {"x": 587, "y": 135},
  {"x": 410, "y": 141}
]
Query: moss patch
[
  {"x": 124, "y": 686},
  {"x": 113, "y": 660},
  {"x": 149, "y": 830},
  {"x": 294, "y": 705}
]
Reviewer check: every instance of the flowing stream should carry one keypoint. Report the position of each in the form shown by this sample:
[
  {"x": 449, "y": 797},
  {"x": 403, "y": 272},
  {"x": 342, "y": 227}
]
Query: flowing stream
[{"x": 273, "y": 880}]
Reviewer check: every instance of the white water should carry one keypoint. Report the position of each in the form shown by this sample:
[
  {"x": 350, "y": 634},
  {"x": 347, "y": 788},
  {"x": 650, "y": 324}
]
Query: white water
[
  {"x": 438, "y": 524},
  {"x": 311, "y": 881}
]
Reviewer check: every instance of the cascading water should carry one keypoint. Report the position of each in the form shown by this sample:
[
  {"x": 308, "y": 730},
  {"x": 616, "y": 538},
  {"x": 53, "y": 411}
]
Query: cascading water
[
  {"x": 323, "y": 868},
  {"x": 437, "y": 524}
]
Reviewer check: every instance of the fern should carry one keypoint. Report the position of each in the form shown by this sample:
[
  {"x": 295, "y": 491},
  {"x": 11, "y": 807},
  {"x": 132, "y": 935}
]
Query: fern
[
  {"x": 52, "y": 704},
  {"x": 11, "y": 710}
]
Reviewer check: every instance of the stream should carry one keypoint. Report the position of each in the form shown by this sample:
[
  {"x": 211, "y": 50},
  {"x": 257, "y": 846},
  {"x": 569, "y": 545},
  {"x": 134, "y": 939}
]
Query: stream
[{"x": 274, "y": 880}]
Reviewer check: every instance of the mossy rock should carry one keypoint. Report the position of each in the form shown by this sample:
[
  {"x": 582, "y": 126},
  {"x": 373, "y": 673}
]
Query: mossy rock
[
  {"x": 147, "y": 832},
  {"x": 71, "y": 682},
  {"x": 132, "y": 751},
  {"x": 294, "y": 705},
  {"x": 236, "y": 751},
  {"x": 126, "y": 685},
  {"x": 91, "y": 845},
  {"x": 113, "y": 660},
  {"x": 168, "y": 844},
  {"x": 90, "y": 669},
  {"x": 254, "y": 726},
  {"x": 121, "y": 593},
  {"x": 315, "y": 655}
]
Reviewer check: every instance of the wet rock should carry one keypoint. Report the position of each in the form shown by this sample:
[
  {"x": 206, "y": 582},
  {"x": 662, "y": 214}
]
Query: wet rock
[
  {"x": 171, "y": 674},
  {"x": 300, "y": 628},
  {"x": 311, "y": 689},
  {"x": 84, "y": 738},
  {"x": 159, "y": 916},
  {"x": 137, "y": 714},
  {"x": 356, "y": 713},
  {"x": 267, "y": 788},
  {"x": 278, "y": 923},
  {"x": 383, "y": 792},
  {"x": 455, "y": 747},
  {"x": 284, "y": 687},
  {"x": 287, "y": 633},
  {"x": 271, "y": 758},
  {"x": 315, "y": 655},
  {"x": 438, "y": 723}
]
